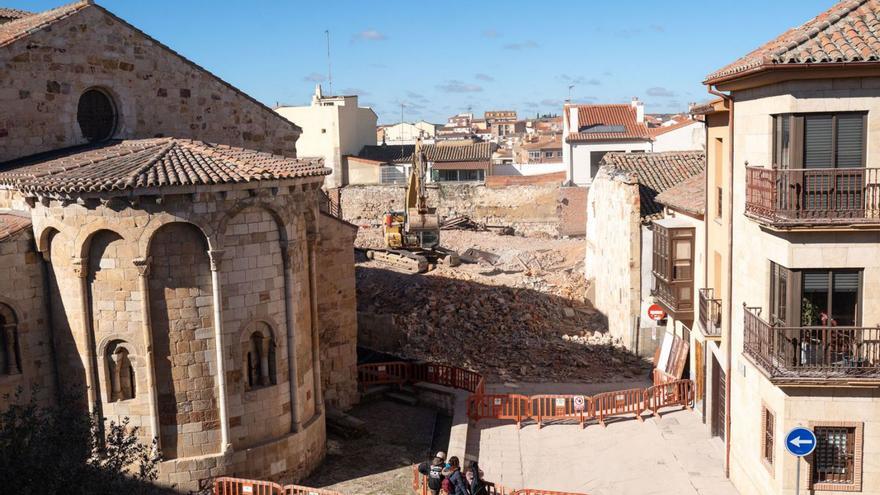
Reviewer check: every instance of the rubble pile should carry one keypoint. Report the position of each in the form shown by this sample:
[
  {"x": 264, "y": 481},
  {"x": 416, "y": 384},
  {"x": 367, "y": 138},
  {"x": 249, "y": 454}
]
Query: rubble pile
[{"x": 522, "y": 318}]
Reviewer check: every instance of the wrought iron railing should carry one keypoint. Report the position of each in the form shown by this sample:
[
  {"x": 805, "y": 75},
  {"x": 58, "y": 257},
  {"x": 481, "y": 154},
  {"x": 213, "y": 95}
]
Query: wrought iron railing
[
  {"x": 813, "y": 195},
  {"x": 710, "y": 313},
  {"x": 328, "y": 205},
  {"x": 812, "y": 352}
]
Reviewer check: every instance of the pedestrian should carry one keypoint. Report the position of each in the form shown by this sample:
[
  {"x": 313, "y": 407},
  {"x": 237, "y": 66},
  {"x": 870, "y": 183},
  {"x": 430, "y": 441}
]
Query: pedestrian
[
  {"x": 475, "y": 480},
  {"x": 434, "y": 472},
  {"x": 455, "y": 482}
]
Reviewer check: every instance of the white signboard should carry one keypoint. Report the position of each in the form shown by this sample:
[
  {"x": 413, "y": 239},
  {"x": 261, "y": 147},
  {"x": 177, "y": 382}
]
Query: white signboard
[{"x": 665, "y": 349}]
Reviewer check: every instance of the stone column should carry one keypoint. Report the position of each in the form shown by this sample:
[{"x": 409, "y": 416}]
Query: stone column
[
  {"x": 9, "y": 336},
  {"x": 216, "y": 257},
  {"x": 264, "y": 361},
  {"x": 116, "y": 378},
  {"x": 313, "y": 300},
  {"x": 287, "y": 252},
  {"x": 143, "y": 267},
  {"x": 81, "y": 271}
]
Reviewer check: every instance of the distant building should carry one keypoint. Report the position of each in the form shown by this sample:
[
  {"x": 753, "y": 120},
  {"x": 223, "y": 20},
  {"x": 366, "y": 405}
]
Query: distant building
[
  {"x": 407, "y": 133},
  {"x": 332, "y": 127},
  {"x": 542, "y": 150},
  {"x": 591, "y": 131},
  {"x": 390, "y": 164},
  {"x": 679, "y": 134}
]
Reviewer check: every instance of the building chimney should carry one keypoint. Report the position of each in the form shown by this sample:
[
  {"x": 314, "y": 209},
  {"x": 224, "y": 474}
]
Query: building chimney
[
  {"x": 640, "y": 109},
  {"x": 573, "y": 119}
]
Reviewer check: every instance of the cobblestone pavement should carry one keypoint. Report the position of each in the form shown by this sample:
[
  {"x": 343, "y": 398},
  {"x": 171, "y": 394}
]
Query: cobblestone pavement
[{"x": 672, "y": 455}]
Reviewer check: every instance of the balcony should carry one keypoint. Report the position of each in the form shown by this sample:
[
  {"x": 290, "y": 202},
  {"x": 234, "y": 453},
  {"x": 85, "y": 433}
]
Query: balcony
[
  {"x": 675, "y": 297},
  {"x": 812, "y": 355},
  {"x": 710, "y": 313},
  {"x": 806, "y": 197}
]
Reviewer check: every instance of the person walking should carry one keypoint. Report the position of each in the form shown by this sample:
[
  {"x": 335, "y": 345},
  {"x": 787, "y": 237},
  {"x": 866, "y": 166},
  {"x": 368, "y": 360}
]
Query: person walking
[
  {"x": 475, "y": 480},
  {"x": 455, "y": 480},
  {"x": 434, "y": 472}
]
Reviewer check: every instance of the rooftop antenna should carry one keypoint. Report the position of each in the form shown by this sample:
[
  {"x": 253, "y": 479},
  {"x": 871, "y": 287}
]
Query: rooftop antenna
[
  {"x": 569, "y": 92},
  {"x": 329, "y": 68},
  {"x": 402, "y": 104}
]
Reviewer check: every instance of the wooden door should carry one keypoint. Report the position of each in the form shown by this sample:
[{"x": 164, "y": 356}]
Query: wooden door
[{"x": 719, "y": 384}]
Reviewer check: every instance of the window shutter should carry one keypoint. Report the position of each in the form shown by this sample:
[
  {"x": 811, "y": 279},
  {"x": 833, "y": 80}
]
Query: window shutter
[
  {"x": 818, "y": 130},
  {"x": 850, "y": 140},
  {"x": 815, "y": 282},
  {"x": 846, "y": 282}
]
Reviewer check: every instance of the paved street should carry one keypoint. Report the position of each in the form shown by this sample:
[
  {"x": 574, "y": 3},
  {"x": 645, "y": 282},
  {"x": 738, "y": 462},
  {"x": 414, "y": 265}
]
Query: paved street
[{"x": 672, "y": 455}]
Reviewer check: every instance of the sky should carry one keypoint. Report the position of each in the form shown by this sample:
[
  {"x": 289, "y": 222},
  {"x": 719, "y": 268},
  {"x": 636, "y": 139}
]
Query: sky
[{"x": 440, "y": 58}]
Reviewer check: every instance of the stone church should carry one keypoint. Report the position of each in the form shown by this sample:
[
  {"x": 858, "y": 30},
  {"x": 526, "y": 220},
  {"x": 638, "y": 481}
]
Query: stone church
[{"x": 164, "y": 254}]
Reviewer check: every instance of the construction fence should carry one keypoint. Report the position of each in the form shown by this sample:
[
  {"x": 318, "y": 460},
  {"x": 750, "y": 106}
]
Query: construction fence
[
  {"x": 538, "y": 408},
  {"x": 420, "y": 487}
]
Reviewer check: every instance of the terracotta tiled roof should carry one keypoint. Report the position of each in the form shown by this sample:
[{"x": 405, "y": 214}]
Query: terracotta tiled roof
[
  {"x": 544, "y": 144},
  {"x": 13, "y": 30},
  {"x": 402, "y": 153},
  {"x": 848, "y": 32},
  {"x": 689, "y": 196},
  {"x": 657, "y": 172},
  {"x": 591, "y": 116},
  {"x": 7, "y": 13},
  {"x": 11, "y": 224},
  {"x": 149, "y": 163}
]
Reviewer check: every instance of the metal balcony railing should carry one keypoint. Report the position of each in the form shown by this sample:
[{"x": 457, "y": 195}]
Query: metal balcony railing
[
  {"x": 792, "y": 353},
  {"x": 710, "y": 313},
  {"x": 811, "y": 196}
]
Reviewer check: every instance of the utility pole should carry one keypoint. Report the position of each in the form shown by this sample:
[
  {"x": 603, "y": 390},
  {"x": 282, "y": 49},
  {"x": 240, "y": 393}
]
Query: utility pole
[{"x": 329, "y": 68}]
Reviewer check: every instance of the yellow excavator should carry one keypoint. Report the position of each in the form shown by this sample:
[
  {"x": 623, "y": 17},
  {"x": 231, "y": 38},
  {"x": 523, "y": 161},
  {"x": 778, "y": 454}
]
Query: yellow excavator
[{"x": 412, "y": 237}]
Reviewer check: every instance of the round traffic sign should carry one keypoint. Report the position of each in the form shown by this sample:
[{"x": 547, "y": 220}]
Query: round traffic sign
[
  {"x": 800, "y": 441},
  {"x": 578, "y": 403},
  {"x": 655, "y": 312}
]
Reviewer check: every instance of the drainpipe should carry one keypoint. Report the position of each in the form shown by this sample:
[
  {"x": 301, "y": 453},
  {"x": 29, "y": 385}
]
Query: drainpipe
[
  {"x": 143, "y": 267},
  {"x": 729, "y": 301},
  {"x": 215, "y": 257}
]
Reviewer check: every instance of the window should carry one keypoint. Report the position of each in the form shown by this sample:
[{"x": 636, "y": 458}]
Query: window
[
  {"x": 819, "y": 140},
  {"x": 596, "y": 160},
  {"x": 459, "y": 175},
  {"x": 10, "y": 358},
  {"x": 548, "y": 154},
  {"x": 534, "y": 155},
  {"x": 96, "y": 115},
  {"x": 768, "y": 438},
  {"x": 120, "y": 372},
  {"x": 260, "y": 357},
  {"x": 836, "y": 462},
  {"x": 673, "y": 267},
  {"x": 815, "y": 297},
  {"x": 719, "y": 202}
]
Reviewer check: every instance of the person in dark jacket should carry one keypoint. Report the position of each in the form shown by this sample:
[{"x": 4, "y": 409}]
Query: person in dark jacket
[
  {"x": 434, "y": 472},
  {"x": 457, "y": 485},
  {"x": 475, "y": 480}
]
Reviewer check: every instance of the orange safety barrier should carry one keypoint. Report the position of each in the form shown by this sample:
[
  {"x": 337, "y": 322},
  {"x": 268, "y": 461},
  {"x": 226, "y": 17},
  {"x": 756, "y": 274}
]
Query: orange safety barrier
[
  {"x": 667, "y": 392},
  {"x": 556, "y": 407},
  {"x": 225, "y": 485},
  {"x": 619, "y": 403},
  {"x": 677, "y": 393}
]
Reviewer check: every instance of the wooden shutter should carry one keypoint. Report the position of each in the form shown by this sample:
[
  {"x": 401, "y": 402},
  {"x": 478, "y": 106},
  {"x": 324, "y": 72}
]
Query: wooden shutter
[
  {"x": 850, "y": 140},
  {"x": 818, "y": 141}
]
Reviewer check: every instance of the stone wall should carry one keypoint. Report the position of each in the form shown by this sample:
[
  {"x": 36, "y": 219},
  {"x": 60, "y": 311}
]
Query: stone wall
[
  {"x": 156, "y": 91},
  {"x": 337, "y": 310},
  {"x": 21, "y": 293},
  {"x": 572, "y": 211},
  {"x": 527, "y": 208},
  {"x": 613, "y": 252}
]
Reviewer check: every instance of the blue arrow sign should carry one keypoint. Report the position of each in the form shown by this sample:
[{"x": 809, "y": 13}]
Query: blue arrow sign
[{"x": 800, "y": 441}]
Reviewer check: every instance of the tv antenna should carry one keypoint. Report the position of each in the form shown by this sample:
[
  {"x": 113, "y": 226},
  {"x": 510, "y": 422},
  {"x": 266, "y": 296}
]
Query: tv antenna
[{"x": 329, "y": 68}]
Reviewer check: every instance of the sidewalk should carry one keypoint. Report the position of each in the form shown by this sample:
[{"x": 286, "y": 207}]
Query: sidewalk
[{"x": 673, "y": 455}]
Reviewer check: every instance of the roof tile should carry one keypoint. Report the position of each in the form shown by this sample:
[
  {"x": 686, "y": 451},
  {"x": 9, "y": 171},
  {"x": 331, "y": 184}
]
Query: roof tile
[
  {"x": 402, "y": 153},
  {"x": 149, "y": 163},
  {"x": 11, "y": 224},
  {"x": 617, "y": 115},
  {"x": 656, "y": 173}
]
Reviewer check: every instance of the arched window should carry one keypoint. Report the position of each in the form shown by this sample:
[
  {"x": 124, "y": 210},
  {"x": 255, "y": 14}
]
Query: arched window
[
  {"x": 260, "y": 357},
  {"x": 96, "y": 115},
  {"x": 121, "y": 373},
  {"x": 10, "y": 358}
]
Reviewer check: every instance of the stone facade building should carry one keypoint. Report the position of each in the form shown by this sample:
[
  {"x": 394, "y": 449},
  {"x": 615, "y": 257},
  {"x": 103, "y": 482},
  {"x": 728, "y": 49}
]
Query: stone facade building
[{"x": 163, "y": 252}]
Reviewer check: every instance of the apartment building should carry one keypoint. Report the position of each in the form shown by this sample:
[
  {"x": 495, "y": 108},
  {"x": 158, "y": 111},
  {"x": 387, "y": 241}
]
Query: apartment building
[{"x": 792, "y": 256}]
